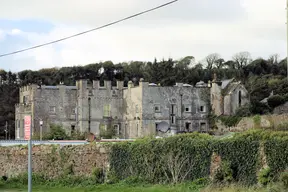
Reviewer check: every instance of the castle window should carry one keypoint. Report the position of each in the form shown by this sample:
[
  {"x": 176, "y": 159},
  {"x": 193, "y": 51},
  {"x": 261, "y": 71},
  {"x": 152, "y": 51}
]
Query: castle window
[
  {"x": 106, "y": 110},
  {"x": 116, "y": 129},
  {"x": 202, "y": 108},
  {"x": 90, "y": 92},
  {"x": 52, "y": 109},
  {"x": 187, "y": 126},
  {"x": 157, "y": 108},
  {"x": 203, "y": 126},
  {"x": 240, "y": 98},
  {"x": 101, "y": 83},
  {"x": 188, "y": 108},
  {"x": 72, "y": 129}
]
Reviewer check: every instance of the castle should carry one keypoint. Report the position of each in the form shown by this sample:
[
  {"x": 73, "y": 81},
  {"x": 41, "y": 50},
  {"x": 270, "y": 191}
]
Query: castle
[{"x": 132, "y": 111}]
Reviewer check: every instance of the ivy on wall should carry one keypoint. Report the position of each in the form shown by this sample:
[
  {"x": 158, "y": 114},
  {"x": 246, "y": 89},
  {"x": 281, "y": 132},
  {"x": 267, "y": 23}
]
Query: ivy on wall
[{"x": 188, "y": 157}]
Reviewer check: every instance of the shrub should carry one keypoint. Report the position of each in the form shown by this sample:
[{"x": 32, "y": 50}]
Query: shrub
[
  {"x": 224, "y": 173},
  {"x": 265, "y": 176},
  {"x": 276, "y": 100},
  {"x": 284, "y": 179},
  {"x": 107, "y": 133},
  {"x": 98, "y": 175},
  {"x": 56, "y": 133},
  {"x": 244, "y": 111},
  {"x": 259, "y": 108},
  {"x": 230, "y": 121},
  {"x": 77, "y": 135}
]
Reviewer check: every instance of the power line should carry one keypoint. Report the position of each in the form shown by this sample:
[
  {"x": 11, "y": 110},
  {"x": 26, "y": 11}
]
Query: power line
[{"x": 94, "y": 29}]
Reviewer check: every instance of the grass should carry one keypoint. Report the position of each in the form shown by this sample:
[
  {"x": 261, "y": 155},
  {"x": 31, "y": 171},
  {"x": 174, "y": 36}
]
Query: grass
[
  {"x": 142, "y": 188},
  {"x": 112, "y": 188}
]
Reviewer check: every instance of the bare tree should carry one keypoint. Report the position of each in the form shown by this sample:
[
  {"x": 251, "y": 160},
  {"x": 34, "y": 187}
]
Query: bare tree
[
  {"x": 242, "y": 59},
  {"x": 273, "y": 59},
  {"x": 211, "y": 59},
  {"x": 177, "y": 166}
]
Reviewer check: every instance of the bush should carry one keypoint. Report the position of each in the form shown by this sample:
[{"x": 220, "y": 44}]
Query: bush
[
  {"x": 56, "y": 133},
  {"x": 77, "y": 135},
  {"x": 259, "y": 108},
  {"x": 244, "y": 111},
  {"x": 224, "y": 174},
  {"x": 284, "y": 179},
  {"x": 230, "y": 121},
  {"x": 275, "y": 101},
  {"x": 265, "y": 176}
]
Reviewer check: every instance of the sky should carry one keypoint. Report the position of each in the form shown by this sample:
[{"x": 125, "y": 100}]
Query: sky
[{"x": 186, "y": 28}]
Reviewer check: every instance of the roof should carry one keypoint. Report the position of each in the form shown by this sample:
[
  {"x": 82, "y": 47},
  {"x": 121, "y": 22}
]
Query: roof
[{"x": 225, "y": 83}]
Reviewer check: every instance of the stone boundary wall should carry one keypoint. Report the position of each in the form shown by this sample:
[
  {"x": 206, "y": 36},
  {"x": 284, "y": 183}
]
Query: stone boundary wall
[
  {"x": 54, "y": 160},
  {"x": 266, "y": 121}
]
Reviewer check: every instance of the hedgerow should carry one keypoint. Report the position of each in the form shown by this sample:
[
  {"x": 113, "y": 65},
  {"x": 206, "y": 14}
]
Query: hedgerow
[{"x": 188, "y": 157}]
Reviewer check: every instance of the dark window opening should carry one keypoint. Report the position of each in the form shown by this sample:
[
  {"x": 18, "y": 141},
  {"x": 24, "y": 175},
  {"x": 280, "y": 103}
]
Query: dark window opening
[
  {"x": 114, "y": 83},
  {"x": 187, "y": 109},
  {"x": 101, "y": 83},
  {"x": 187, "y": 126},
  {"x": 157, "y": 108},
  {"x": 173, "y": 120},
  {"x": 125, "y": 84},
  {"x": 156, "y": 126},
  {"x": 240, "y": 98},
  {"x": 202, "y": 108},
  {"x": 202, "y": 126},
  {"x": 72, "y": 129},
  {"x": 173, "y": 109}
]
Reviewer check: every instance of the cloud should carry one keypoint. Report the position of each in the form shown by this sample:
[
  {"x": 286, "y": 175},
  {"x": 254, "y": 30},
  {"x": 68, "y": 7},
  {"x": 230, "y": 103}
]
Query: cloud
[
  {"x": 188, "y": 27},
  {"x": 15, "y": 31}
]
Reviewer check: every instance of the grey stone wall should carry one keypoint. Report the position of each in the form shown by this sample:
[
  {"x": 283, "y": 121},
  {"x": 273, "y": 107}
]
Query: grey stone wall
[{"x": 192, "y": 102}]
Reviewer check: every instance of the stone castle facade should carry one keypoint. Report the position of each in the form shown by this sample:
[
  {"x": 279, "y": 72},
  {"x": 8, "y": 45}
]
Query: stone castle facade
[{"x": 132, "y": 111}]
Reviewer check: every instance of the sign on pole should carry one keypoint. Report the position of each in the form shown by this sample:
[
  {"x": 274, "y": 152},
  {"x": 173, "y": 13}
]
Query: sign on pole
[
  {"x": 28, "y": 136},
  {"x": 27, "y": 127}
]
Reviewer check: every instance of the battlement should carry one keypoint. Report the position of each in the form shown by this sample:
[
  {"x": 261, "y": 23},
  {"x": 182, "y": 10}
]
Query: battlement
[{"x": 101, "y": 85}]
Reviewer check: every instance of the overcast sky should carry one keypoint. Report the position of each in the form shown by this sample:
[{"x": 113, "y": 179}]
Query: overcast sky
[{"x": 187, "y": 27}]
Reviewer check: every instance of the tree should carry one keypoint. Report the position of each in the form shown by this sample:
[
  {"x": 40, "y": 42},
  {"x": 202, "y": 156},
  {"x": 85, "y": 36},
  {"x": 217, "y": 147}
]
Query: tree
[
  {"x": 219, "y": 63},
  {"x": 186, "y": 62},
  {"x": 273, "y": 59},
  {"x": 211, "y": 60},
  {"x": 242, "y": 59},
  {"x": 276, "y": 100}
]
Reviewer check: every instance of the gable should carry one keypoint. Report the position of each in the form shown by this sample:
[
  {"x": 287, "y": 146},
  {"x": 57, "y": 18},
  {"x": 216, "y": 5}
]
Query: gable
[
  {"x": 232, "y": 87},
  {"x": 226, "y": 82}
]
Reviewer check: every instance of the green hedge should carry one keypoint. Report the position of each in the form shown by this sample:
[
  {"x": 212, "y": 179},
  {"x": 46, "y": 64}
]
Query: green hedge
[{"x": 188, "y": 157}]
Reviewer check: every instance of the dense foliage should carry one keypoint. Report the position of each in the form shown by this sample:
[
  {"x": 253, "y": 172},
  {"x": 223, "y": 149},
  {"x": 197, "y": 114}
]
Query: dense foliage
[
  {"x": 260, "y": 77},
  {"x": 188, "y": 157},
  {"x": 56, "y": 132}
]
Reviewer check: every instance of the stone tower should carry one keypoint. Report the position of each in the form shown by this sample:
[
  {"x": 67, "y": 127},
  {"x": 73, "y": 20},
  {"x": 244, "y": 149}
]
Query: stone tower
[{"x": 216, "y": 96}]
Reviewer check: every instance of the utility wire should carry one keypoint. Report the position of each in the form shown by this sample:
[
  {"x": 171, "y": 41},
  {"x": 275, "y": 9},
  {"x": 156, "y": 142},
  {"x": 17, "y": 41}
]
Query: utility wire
[{"x": 94, "y": 29}]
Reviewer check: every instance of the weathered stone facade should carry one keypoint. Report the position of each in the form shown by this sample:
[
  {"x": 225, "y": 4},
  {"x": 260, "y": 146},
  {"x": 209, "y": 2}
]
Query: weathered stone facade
[
  {"x": 133, "y": 111},
  {"x": 227, "y": 96}
]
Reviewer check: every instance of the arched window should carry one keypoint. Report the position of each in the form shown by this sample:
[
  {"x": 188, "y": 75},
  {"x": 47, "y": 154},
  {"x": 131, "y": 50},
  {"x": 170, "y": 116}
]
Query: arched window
[{"x": 239, "y": 98}]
